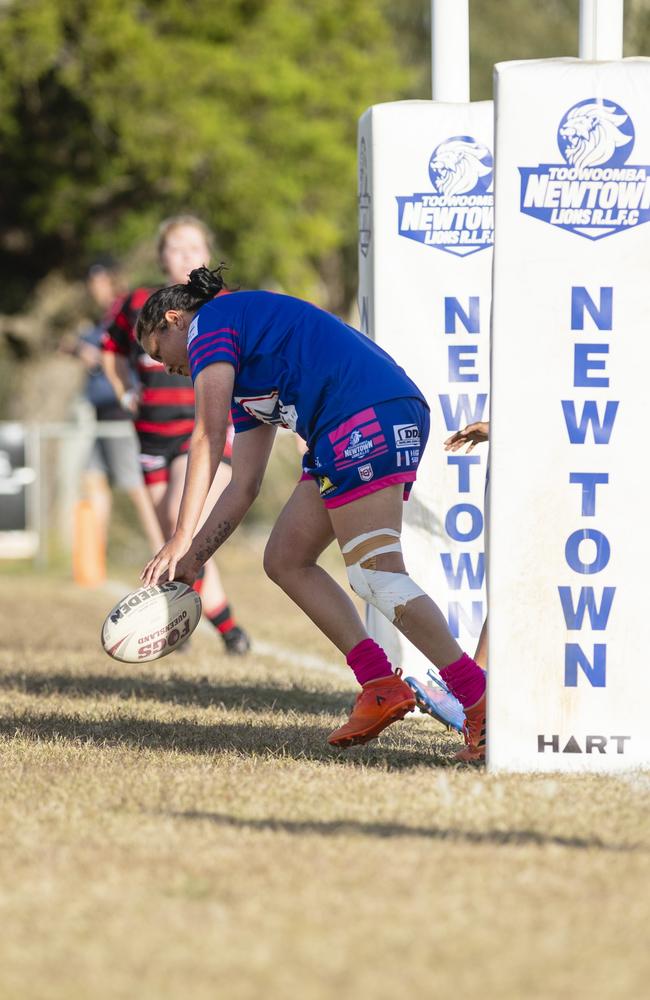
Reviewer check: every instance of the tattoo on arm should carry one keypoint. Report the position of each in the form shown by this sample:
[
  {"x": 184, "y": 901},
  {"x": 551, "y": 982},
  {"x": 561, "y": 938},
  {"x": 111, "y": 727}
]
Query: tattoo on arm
[{"x": 212, "y": 542}]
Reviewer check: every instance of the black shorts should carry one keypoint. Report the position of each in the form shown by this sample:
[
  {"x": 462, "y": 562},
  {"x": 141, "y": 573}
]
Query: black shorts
[{"x": 157, "y": 453}]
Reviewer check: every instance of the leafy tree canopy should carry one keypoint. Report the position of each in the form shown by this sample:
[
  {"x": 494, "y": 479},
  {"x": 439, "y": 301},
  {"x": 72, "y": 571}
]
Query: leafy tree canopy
[{"x": 114, "y": 113}]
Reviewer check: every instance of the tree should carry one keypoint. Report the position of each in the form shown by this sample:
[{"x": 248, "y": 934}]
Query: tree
[{"x": 114, "y": 113}]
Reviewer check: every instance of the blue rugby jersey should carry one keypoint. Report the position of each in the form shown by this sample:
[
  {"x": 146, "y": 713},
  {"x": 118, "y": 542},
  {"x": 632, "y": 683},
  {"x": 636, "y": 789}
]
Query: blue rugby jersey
[{"x": 296, "y": 366}]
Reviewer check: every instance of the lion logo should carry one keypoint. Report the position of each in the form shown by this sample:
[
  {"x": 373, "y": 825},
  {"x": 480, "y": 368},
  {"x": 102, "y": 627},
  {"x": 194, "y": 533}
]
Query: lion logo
[
  {"x": 591, "y": 133},
  {"x": 461, "y": 165}
]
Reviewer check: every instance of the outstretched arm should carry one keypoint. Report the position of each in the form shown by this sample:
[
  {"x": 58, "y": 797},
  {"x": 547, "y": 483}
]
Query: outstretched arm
[
  {"x": 213, "y": 393},
  {"x": 250, "y": 455}
]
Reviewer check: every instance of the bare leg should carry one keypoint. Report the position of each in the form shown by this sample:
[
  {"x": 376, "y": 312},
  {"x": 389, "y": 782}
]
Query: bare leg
[
  {"x": 481, "y": 654},
  {"x": 143, "y": 504},
  {"x": 99, "y": 494},
  {"x": 302, "y": 531},
  {"x": 158, "y": 495},
  {"x": 422, "y": 621}
]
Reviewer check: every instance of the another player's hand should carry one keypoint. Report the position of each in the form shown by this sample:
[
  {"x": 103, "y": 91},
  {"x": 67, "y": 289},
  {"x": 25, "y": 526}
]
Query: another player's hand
[
  {"x": 130, "y": 401},
  {"x": 471, "y": 435},
  {"x": 164, "y": 563}
]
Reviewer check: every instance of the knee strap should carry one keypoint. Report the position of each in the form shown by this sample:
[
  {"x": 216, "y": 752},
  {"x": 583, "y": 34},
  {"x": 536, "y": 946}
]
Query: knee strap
[{"x": 388, "y": 592}]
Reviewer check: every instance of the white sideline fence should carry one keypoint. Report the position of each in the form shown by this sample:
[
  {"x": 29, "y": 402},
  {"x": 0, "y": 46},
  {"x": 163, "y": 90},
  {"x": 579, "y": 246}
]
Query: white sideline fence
[{"x": 48, "y": 485}]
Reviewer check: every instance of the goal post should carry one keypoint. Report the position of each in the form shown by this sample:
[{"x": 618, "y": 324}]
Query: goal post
[
  {"x": 425, "y": 252},
  {"x": 567, "y": 679}
]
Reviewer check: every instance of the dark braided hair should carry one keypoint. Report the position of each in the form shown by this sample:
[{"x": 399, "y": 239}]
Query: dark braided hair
[{"x": 202, "y": 286}]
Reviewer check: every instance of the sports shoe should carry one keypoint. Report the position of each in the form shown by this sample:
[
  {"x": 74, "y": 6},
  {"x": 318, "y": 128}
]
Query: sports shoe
[
  {"x": 437, "y": 701},
  {"x": 236, "y": 641},
  {"x": 474, "y": 732},
  {"x": 380, "y": 702}
]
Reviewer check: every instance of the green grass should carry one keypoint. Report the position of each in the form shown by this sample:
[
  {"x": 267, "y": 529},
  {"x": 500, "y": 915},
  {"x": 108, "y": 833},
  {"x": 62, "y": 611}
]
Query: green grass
[{"x": 182, "y": 829}]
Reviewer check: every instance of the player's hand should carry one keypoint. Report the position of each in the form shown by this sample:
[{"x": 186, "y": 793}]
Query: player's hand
[
  {"x": 471, "y": 435},
  {"x": 188, "y": 569},
  {"x": 164, "y": 563},
  {"x": 130, "y": 401}
]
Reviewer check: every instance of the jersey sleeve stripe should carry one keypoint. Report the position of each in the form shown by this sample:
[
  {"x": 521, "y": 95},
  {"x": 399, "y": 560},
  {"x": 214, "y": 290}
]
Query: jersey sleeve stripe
[
  {"x": 214, "y": 354},
  {"x": 203, "y": 340},
  {"x": 209, "y": 334},
  {"x": 194, "y": 349},
  {"x": 196, "y": 357}
]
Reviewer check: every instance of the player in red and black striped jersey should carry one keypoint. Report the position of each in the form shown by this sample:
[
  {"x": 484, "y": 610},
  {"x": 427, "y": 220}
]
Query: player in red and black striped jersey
[
  {"x": 163, "y": 409},
  {"x": 165, "y": 413}
]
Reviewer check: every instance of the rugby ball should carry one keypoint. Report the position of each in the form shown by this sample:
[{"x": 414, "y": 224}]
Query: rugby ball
[{"x": 151, "y": 622}]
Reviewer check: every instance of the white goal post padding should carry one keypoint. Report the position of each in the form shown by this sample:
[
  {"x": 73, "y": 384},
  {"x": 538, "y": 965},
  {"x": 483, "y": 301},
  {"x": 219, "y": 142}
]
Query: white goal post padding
[
  {"x": 425, "y": 256},
  {"x": 568, "y": 677}
]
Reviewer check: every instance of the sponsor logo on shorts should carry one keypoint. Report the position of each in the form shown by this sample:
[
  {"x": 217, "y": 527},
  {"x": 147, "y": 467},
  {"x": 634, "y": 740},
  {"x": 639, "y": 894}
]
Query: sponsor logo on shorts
[
  {"x": 366, "y": 472},
  {"x": 325, "y": 485},
  {"x": 407, "y": 435},
  {"x": 151, "y": 463},
  {"x": 457, "y": 216},
  {"x": 595, "y": 192},
  {"x": 358, "y": 446},
  {"x": 407, "y": 458}
]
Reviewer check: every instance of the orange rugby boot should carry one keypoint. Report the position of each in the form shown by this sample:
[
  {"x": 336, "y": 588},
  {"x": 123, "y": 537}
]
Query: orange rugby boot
[
  {"x": 474, "y": 732},
  {"x": 380, "y": 702}
]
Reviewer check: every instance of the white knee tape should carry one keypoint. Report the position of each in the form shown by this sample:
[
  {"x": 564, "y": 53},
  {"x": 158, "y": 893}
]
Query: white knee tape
[{"x": 388, "y": 592}]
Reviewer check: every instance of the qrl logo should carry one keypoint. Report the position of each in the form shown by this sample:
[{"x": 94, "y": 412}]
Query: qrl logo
[
  {"x": 595, "y": 192},
  {"x": 407, "y": 435}
]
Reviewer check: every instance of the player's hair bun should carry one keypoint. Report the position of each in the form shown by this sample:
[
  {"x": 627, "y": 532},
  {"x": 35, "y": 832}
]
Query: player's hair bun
[
  {"x": 201, "y": 288},
  {"x": 204, "y": 283}
]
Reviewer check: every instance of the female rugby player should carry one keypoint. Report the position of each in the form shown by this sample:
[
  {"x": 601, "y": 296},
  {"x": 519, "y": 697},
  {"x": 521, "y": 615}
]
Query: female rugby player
[
  {"x": 163, "y": 410},
  {"x": 279, "y": 361}
]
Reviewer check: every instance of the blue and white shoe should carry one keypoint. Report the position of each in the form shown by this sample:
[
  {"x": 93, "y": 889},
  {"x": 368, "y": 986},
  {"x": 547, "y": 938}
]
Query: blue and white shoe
[{"x": 437, "y": 701}]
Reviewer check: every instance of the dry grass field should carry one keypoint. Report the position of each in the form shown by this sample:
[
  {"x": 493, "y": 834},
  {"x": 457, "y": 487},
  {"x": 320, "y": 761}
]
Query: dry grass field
[{"x": 181, "y": 829}]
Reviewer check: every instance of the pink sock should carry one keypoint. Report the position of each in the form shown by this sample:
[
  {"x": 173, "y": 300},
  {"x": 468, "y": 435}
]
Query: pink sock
[
  {"x": 465, "y": 680},
  {"x": 368, "y": 661}
]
